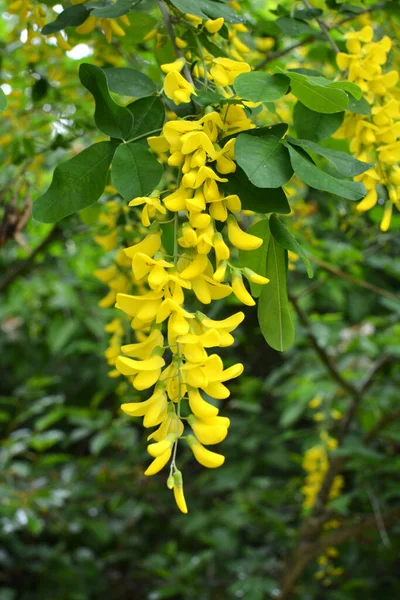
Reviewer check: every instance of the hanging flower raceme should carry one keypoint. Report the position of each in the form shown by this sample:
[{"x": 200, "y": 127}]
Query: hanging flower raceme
[
  {"x": 375, "y": 136},
  {"x": 177, "y": 357},
  {"x": 316, "y": 464},
  {"x": 117, "y": 276}
]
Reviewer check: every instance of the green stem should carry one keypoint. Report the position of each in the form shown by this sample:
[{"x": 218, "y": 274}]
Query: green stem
[
  {"x": 143, "y": 135},
  {"x": 179, "y": 356},
  {"x": 171, "y": 33},
  {"x": 203, "y": 60}
]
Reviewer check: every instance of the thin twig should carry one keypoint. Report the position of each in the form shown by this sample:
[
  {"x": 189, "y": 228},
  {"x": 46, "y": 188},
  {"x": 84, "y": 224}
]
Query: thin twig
[
  {"x": 279, "y": 53},
  {"x": 23, "y": 266},
  {"x": 379, "y": 518},
  {"x": 309, "y": 550},
  {"x": 365, "y": 284},
  {"x": 384, "y": 422},
  {"x": 354, "y": 16},
  {"x": 310, "y": 289},
  {"x": 275, "y": 55},
  {"x": 320, "y": 351},
  {"x": 310, "y": 542},
  {"x": 347, "y": 419},
  {"x": 171, "y": 33},
  {"x": 323, "y": 27}
]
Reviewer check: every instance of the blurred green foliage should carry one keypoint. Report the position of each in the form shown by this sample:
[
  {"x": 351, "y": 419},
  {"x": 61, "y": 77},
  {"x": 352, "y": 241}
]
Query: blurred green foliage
[{"x": 78, "y": 518}]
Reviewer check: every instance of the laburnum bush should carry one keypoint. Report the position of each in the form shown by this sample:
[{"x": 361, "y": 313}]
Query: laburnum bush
[{"x": 225, "y": 141}]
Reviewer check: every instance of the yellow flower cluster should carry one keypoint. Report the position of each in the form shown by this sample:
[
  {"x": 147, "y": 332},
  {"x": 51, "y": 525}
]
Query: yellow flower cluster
[
  {"x": 375, "y": 137},
  {"x": 108, "y": 26},
  {"x": 316, "y": 464},
  {"x": 223, "y": 71},
  {"x": 33, "y": 16},
  {"x": 235, "y": 45},
  {"x": 327, "y": 569},
  {"x": 176, "y": 357},
  {"x": 117, "y": 277}
]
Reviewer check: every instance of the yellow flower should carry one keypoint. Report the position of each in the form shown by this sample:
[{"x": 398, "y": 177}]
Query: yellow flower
[
  {"x": 236, "y": 119},
  {"x": 153, "y": 410},
  {"x": 225, "y": 70},
  {"x": 315, "y": 402},
  {"x": 177, "y": 88},
  {"x": 146, "y": 372},
  {"x": 199, "y": 407},
  {"x": 255, "y": 277},
  {"x": 265, "y": 43},
  {"x": 145, "y": 348},
  {"x": 205, "y": 457},
  {"x": 108, "y": 241},
  {"x": 158, "y": 463},
  {"x": 209, "y": 430},
  {"x": 177, "y": 65},
  {"x": 158, "y": 448},
  {"x": 319, "y": 416},
  {"x": 240, "y": 239},
  {"x": 214, "y": 25},
  {"x": 225, "y": 158},
  {"x": 240, "y": 290},
  {"x": 336, "y": 414},
  {"x": 149, "y": 245},
  {"x": 152, "y": 206},
  {"x": 177, "y": 486}
]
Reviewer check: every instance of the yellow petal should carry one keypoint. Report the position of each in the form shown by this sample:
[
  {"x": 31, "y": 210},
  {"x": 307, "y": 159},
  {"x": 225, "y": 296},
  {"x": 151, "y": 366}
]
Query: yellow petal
[
  {"x": 158, "y": 463},
  {"x": 205, "y": 457}
]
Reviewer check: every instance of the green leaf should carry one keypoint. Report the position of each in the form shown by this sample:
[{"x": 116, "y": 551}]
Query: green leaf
[
  {"x": 45, "y": 440},
  {"x": 307, "y": 13},
  {"x": 213, "y": 48},
  {"x": 347, "y": 86},
  {"x": 168, "y": 237},
  {"x": 119, "y": 8},
  {"x": 344, "y": 163},
  {"x": 135, "y": 171},
  {"x": 112, "y": 119},
  {"x": 128, "y": 82},
  {"x": 264, "y": 160},
  {"x": 257, "y": 259},
  {"x": 76, "y": 183},
  {"x": 207, "y": 97},
  {"x": 148, "y": 115},
  {"x": 253, "y": 198},
  {"x": 293, "y": 412},
  {"x": 261, "y": 87},
  {"x": 315, "y": 77},
  {"x": 360, "y": 107},
  {"x": 273, "y": 307},
  {"x": 141, "y": 24},
  {"x": 70, "y": 17},
  {"x": 293, "y": 27},
  {"x": 207, "y": 9},
  {"x": 315, "y": 126},
  {"x": 318, "y": 179},
  {"x": 278, "y": 130},
  {"x": 39, "y": 89},
  {"x": 288, "y": 242},
  {"x": 321, "y": 98},
  {"x": 3, "y": 100},
  {"x": 100, "y": 441},
  {"x": 90, "y": 215}
]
